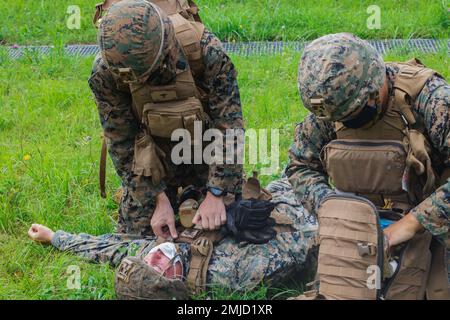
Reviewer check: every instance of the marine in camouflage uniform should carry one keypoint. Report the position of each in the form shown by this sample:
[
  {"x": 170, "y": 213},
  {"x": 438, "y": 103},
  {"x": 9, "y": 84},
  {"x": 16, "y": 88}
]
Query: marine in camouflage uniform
[
  {"x": 431, "y": 108},
  {"x": 114, "y": 101},
  {"x": 231, "y": 266}
]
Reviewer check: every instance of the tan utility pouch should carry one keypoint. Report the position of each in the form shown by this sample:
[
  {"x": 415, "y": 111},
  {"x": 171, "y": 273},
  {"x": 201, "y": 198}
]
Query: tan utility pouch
[
  {"x": 252, "y": 189},
  {"x": 351, "y": 248},
  {"x": 148, "y": 159},
  {"x": 187, "y": 211},
  {"x": 163, "y": 119},
  {"x": 366, "y": 166},
  {"x": 201, "y": 252},
  {"x": 419, "y": 159}
]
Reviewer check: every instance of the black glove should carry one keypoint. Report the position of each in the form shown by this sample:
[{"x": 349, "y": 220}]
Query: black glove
[
  {"x": 250, "y": 214},
  {"x": 249, "y": 220},
  {"x": 260, "y": 236}
]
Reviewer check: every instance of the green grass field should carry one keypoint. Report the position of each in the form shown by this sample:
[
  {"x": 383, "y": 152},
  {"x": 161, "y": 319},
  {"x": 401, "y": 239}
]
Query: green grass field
[
  {"x": 49, "y": 150},
  {"x": 44, "y": 21}
]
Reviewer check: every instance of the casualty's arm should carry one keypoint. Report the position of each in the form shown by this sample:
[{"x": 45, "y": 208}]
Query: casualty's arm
[{"x": 108, "y": 248}]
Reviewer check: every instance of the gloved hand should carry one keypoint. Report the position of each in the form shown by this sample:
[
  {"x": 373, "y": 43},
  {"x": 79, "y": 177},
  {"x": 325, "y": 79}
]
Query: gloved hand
[
  {"x": 260, "y": 236},
  {"x": 250, "y": 214},
  {"x": 249, "y": 220}
]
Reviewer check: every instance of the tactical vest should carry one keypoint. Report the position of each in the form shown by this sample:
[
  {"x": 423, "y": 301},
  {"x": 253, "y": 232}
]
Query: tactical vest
[
  {"x": 163, "y": 109},
  {"x": 388, "y": 164},
  {"x": 381, "y": 163}
]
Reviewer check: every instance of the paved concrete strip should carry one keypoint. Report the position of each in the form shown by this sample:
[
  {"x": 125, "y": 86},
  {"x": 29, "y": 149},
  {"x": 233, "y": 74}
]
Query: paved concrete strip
[{"x": 258, "y": 48}]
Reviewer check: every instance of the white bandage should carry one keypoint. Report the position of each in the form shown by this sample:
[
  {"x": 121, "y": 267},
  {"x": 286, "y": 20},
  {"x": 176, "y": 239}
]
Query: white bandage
[{"x": 170, "y": 251}]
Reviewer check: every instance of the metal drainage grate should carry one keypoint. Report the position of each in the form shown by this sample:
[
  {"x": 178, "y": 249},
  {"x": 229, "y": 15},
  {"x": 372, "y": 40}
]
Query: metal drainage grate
[{"x": 255, "y": 48}]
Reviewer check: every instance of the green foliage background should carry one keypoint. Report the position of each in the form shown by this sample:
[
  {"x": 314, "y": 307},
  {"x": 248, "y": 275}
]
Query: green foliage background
[{"x": 44, "y": 21}]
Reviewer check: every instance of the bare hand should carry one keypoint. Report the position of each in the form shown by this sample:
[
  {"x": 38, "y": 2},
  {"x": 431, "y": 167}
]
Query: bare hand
[
  {"x": 402, "y": 230},
  {"x": 40, "y": 233},
  {"x": 211, "y": 214},
  {"x": 163, "y": 219}
]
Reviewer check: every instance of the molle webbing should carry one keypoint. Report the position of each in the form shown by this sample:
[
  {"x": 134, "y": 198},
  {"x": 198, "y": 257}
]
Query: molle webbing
[
  {"x": 183, "y": 88},
  {"x": 409, "y": 82},
  {"x": 396, "y": 124},
  {"x": 201, "y": 251},
  {"x": 189, "y": 34},
  {"x": 187, "y": 8},
  {"x": 350, "y": 243},
  {"x": 188, "y": 29}
]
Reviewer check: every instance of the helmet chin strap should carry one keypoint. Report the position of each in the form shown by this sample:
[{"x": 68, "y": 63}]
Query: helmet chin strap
[
  {"x": 367, "y": 116},
  {"x": 173, "y": 263}
]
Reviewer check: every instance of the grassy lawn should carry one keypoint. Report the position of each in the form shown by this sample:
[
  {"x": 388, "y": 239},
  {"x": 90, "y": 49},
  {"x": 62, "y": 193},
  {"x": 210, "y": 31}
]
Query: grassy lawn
[
  {"x": 49, "y": 150},
  {"x": 44, "y": 21}
]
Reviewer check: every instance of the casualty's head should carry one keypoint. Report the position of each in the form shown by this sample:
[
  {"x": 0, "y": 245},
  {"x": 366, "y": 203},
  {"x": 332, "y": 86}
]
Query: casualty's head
[
  {"x": 136, "y": 36},
  {"x": 158, "y": 276},
  {"x": 339, "y": 74},
  {"x": 165, "y": 259}
]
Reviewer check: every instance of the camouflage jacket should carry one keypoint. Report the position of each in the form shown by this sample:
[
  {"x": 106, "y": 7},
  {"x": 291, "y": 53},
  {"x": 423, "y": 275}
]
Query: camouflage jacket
[
  {"x": 432, "y": 107},
  {"x": 219, "y": 82},
  {"x": 231, "y": 266}
]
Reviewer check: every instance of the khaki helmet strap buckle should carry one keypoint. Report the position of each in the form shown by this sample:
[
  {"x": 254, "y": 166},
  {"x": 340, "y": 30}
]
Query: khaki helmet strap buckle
[
  {"x": 126, "y": 75},
  {"x": 317, "y": 103},
  {"x": 98, "y": 13},
  {"x": 366, "y": 249}
]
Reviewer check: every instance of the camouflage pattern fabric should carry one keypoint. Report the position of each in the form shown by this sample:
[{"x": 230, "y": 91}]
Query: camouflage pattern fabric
[
  {"x": 135, "y": 34},
  {"x": 343, "y": 71},
  {"x": 432, "y": 108},
  {"x": 222, "y": 103},
  {"x": 232, "y": 266}
]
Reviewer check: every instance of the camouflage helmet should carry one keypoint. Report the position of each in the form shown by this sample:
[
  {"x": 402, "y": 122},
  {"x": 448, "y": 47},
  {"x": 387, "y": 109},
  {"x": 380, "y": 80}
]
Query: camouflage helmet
[
  {"x": 135, "y": 34},
  {"x": 136, "y": 280},
  {"x": 337, "y": 75}
]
